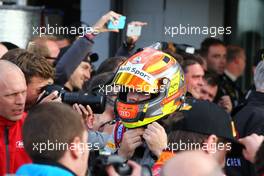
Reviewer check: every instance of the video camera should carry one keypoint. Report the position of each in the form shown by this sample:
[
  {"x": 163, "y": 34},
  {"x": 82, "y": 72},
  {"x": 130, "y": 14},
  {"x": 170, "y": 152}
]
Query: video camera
[
  {"x": 95, "y": 101},
  {"x": 119, "y": 163}
]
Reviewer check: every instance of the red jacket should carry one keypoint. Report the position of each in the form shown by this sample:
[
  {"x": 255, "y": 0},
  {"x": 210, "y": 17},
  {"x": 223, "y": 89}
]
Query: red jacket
[{"x": 12, "y": 151}]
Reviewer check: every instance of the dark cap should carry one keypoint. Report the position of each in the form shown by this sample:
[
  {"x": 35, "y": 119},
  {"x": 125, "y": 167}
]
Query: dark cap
[
  {"x": 207, "y": 118},
  {"x": 9, "y": 45},
  {"x": 93, "y": 56}
]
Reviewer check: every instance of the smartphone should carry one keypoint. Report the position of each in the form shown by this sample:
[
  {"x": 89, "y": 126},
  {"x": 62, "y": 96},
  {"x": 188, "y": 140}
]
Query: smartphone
[
  {"x": 120, "y": 24},
  {"x": 190, "y": 50},
  {"x": 133, "y": 30}
]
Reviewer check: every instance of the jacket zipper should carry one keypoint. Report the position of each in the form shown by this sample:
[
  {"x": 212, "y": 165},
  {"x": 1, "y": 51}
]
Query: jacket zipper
[{"x": 7, "y": 151}]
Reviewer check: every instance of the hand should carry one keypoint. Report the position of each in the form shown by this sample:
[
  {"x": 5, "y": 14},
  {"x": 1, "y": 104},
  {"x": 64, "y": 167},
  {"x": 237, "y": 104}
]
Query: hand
[
  {"x": 86, "y": 113},
  {"x": 225, "y": 102},
  {"x": 131, "y": 140},
  {"x": 136, "y": 169},
  {"x": 156, "y": 138},
  {"x": 100, "y": 25},
  {"x": 133, "y": 39},
  {"x": 53, "y": 97},
  {"x": 252, "y": 144},
  {"x": 138, "y": 23}
]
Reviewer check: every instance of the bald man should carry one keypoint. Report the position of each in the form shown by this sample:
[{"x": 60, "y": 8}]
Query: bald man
[
  {"x": 12, "y": 102},
  {"x": 192, "y": 163},
  {"x": 3, "y": 50}
]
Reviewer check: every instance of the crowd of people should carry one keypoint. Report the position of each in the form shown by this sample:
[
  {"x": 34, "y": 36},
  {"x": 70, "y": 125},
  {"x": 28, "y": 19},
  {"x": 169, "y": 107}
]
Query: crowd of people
[{"x": 157, "y": 110}]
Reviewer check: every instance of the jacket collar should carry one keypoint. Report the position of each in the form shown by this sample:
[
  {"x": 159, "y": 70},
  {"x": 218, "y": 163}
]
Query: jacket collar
[
  {"x": 52, "y": 163},
  {"x": 230, "y": 76}
]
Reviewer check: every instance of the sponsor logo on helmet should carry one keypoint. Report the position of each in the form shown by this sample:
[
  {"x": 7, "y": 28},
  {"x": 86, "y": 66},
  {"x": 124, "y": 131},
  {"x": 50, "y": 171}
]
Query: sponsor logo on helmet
[
  {"x": 136, "y": 60},
  {"x": 124, "y": 113},
  {"x": 136, "y": 69}
]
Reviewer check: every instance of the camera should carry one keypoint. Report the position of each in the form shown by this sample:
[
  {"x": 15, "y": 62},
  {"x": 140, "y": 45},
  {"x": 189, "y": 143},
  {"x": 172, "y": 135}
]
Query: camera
[
  {"x": 119, "y": 163},
  {"x": 95, "y": 101}
]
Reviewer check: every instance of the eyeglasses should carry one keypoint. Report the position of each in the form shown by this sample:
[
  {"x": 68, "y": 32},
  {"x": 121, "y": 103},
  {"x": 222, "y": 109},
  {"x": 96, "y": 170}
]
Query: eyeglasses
[{"x": 110, "y": 122}]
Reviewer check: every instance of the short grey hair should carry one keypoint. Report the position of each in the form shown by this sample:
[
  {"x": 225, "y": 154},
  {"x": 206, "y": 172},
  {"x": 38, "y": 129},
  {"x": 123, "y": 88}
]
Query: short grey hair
[{"x": 259, "y": 76}]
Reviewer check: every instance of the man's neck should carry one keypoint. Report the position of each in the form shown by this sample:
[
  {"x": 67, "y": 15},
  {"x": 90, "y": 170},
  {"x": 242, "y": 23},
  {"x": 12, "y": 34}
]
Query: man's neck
[
  {"x": 231, "y": 75},
  {"x": 68, "y": 86}
]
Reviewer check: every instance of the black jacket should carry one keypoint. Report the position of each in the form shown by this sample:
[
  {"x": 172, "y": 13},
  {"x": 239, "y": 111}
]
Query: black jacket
[
  {"x": 248, "y": 120},
  {"x": 251, "y": 118},
  {"x": 229, "y": 87}
]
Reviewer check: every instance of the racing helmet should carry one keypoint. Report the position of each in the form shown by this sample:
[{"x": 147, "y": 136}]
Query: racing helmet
[{"x": 155, "y": 73}]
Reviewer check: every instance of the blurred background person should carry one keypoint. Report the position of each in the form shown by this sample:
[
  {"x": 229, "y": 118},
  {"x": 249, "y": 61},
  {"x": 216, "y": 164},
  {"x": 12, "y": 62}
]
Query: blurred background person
[
  {"x": 194, "y": 73},
  {"x": 214, "y": 52},
  {"x": 235, "y": 66},
  {"x": 210, "y": 87}
]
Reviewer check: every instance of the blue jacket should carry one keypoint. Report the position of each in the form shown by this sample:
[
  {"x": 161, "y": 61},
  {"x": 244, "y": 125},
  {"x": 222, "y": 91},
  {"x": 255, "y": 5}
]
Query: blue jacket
[{"x": 43, "y": 170}]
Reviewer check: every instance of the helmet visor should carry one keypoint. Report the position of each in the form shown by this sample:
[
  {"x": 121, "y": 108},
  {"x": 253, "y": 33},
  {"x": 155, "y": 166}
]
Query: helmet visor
[{"x": 137, "y": 83}]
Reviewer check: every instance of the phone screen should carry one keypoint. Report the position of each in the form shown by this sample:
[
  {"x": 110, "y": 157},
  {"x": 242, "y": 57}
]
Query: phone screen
[
  {"x": 133, "y": 30},
  {"x": 120, "y": 24},
  {"x": 190, "y": 50}
]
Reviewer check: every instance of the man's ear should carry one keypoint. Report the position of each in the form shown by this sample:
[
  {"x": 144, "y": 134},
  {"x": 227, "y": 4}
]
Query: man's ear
[
  {"x": 76, "y": 147},
  {"x": 90, "y": 121},
  {"x": 211, "y": 144}
]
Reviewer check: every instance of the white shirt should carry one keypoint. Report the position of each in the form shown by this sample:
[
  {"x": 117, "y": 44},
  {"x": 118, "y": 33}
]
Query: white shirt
[{"x": 231, "y": 76}]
